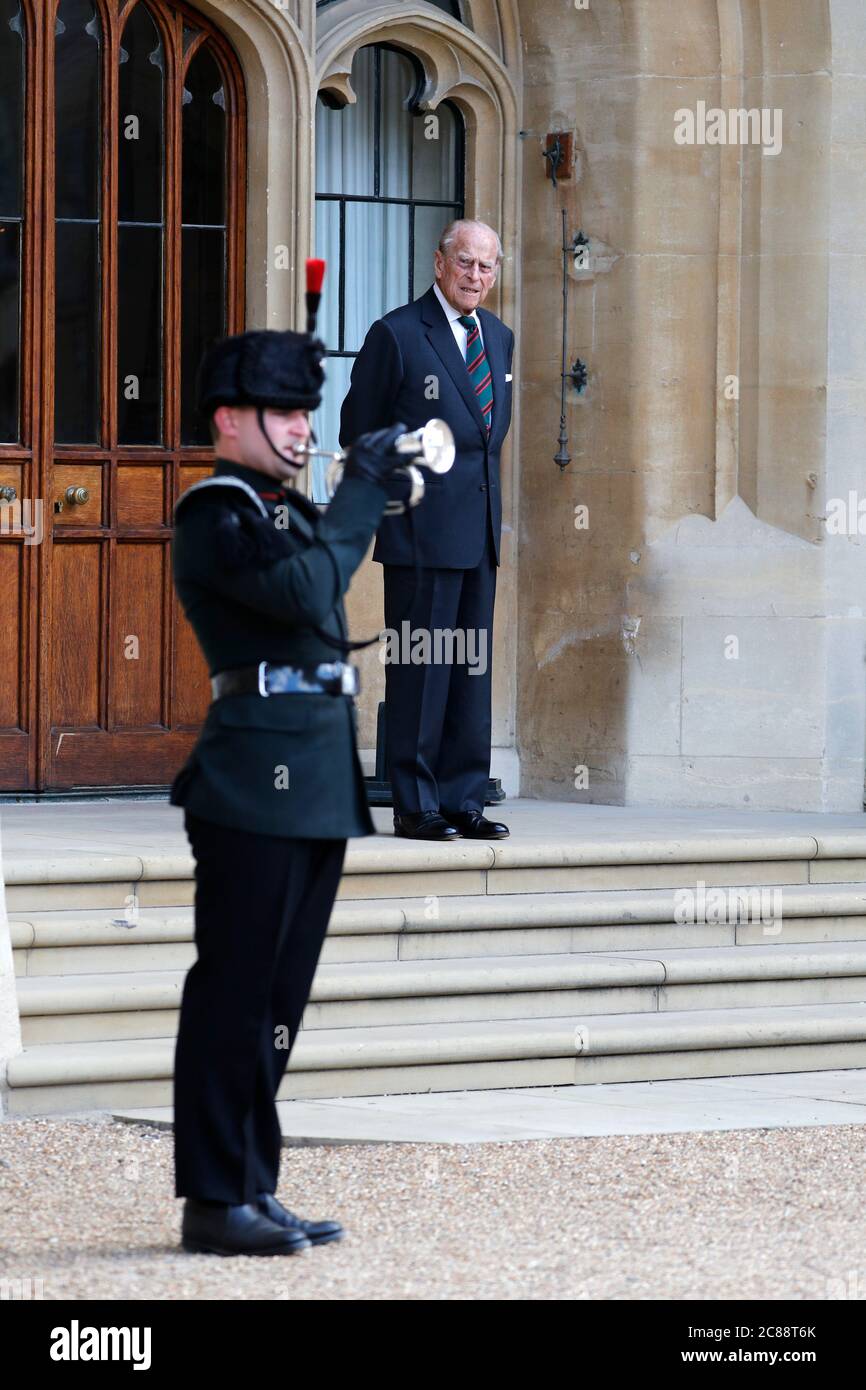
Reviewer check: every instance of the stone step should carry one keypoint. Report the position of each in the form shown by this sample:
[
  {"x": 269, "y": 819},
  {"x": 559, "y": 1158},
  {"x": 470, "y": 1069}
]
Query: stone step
[
  {"x": 144, "y": 1004},
  {"x": 385, "y": 867},
  {"x": 579, "y": 1049},
  {"x": 528, "y": 962},
  {"x": 80, "y": 940}
]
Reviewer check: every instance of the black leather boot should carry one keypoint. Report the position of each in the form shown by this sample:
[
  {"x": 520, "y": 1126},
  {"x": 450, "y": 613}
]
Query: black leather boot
[
  {"x": 474, "y": 825},
  {"x": 424, "y": 825},
  {"x": 236, "y": 1230},
  {"x": 319, "y": 1232}
]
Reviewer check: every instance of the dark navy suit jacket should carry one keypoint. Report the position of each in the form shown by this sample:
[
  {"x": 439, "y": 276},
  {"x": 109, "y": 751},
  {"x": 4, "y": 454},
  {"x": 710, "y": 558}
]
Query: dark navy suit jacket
[{"x": 403, "y": 354}]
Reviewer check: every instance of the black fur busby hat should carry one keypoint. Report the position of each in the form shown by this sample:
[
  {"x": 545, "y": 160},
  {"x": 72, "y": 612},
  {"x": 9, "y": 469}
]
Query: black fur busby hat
[{"x": 266, "y": 368}]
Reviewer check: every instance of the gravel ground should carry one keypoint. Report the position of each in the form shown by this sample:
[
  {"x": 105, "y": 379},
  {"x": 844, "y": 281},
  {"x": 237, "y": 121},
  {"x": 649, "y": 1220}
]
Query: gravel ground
[{"x": 87, "y": 1205}]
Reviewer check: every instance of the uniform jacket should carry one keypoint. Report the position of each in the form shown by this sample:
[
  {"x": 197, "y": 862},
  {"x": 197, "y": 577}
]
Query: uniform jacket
[
  {"x": 251, "y": 590},
  {"x": 390, "y": 382}
]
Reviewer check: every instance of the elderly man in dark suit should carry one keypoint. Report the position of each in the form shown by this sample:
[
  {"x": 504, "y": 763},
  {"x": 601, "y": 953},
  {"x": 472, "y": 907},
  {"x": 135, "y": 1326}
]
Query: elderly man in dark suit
[{"x": 441, "y": 356}]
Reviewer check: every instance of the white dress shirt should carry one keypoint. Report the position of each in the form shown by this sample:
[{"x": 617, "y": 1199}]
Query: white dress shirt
[{"x": 460, "y": 333}]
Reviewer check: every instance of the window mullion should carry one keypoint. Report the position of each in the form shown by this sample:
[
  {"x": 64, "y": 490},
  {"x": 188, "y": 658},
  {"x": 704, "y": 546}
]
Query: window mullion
[
  {"x": 171, "y": 234},
  {"x": 110, "y": 182}
]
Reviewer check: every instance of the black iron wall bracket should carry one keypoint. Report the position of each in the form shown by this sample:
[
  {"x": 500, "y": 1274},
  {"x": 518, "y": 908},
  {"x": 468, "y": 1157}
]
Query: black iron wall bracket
[{"x": 577, "y": 373}]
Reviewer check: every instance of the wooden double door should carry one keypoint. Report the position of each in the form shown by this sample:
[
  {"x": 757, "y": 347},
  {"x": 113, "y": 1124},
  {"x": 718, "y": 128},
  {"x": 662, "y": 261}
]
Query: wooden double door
[{"x": 122, "y": 127}]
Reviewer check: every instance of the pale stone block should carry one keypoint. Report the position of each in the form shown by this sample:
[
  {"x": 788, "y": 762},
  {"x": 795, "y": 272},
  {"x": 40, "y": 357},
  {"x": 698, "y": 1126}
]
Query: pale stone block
[
  {"x": 737, "y": 994},
  {"x": 736, "y": 564},
  {"x": 445, "y": 1076},
  {"x": 445, "y": 945},
  {"x": 618, "y": 876},
  {"x": 793, "y": 326},
  {"x": 166, "y": 893},
  {"x": 799, "y": 175},
  {"x": 846, "y": 438},
  {"x": 478, "y": 1007},
  {"x": 337, "y": 950},
  {"x": 76, "y": 960},
  {"x": 802, "y": 930},
  {"x": 765, "y": 701},
  {"x": 99, "y": 1027},
  {"x": 796, "y": 36},
  {"x": 848, "y": 33},
  {"x": 727, "y": 1061},
  {"x": 837, "y": 871},
  {"x": 848, "y": 193},
  {"x": 652, "y": 674},
  {"x": 847, "y": 305},
  {"x": 757, "y": 783},
  {"x": 652, "y": 937},
  {"x": 38, "y": 897},
  {"x": 844, "y": 695},
  {"x": 412, "y": 885},
  {"x": 791, "y": 434}
]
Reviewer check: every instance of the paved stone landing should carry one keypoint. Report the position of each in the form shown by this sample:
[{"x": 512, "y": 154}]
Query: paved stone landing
[{"x": 636, "y": 1107}]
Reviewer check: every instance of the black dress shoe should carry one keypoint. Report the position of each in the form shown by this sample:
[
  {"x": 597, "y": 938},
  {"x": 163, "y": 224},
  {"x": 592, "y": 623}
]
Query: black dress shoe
[
  {"x": 424, "y": 825},
  {"x": 318, "y": 1232},
  {"x": 475, "y": 826},
  {"x": 236, "y": 1230}
]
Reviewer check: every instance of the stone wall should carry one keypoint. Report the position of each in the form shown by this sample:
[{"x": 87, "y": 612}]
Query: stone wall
[{"x": 701, "y": 642}]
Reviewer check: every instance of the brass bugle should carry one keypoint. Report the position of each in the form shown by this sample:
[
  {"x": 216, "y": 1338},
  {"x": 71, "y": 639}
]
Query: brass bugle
[{"x": 431, "y": 446}]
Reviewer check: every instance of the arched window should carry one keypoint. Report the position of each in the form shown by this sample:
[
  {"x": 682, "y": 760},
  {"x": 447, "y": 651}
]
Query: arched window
[{"x": 388, "y": 179}]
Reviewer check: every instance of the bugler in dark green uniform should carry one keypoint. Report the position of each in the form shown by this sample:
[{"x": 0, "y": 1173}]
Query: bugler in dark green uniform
[
  {"x": 273, "y": 787},
  {"x": 247, "y": 606}
]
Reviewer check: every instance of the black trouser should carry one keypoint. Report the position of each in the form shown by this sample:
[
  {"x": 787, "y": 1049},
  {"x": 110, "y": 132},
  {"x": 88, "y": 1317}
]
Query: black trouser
[
  {"x": 262, "y": 906},
  {"x": 437, "y": 714}
]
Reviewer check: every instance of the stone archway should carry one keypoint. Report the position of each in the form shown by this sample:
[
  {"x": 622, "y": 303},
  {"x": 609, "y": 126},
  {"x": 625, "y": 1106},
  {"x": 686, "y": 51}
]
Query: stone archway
[{"x": 468, "y": 68}]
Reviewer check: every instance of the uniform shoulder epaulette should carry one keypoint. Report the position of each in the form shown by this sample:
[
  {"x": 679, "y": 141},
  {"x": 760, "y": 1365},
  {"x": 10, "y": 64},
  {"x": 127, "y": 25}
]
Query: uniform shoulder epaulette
[
  {"x": 240, "y": 536},
  {"x": 221, "y": 481}
]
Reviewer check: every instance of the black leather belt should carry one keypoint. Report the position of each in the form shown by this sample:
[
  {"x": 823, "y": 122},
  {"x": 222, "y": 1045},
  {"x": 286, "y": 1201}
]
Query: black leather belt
[{"x": 328, "y": 678}]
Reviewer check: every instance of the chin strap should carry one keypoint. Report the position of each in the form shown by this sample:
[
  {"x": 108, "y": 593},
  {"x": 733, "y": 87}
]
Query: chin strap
[{"x": 260, "y": 416}]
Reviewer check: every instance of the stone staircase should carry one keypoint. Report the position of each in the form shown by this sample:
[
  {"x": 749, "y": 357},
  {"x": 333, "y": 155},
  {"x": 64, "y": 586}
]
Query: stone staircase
[{"x": 527, "y": 962}]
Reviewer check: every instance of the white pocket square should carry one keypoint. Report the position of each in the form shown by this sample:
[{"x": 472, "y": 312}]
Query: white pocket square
[{"x": 508, "y": 376}]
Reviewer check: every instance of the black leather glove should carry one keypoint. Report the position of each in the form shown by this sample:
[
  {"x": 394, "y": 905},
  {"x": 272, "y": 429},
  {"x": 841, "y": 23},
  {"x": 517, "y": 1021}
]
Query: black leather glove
[{"x": 372, "y": 455}]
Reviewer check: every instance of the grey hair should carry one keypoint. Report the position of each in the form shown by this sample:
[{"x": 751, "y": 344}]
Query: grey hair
[{"x": 450, "y": 233}]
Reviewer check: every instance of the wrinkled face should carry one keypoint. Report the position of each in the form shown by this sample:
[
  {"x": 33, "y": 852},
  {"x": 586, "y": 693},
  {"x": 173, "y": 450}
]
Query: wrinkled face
[
  {"x": 467, "y": 272},
  {"x": 241, "y": 440}
]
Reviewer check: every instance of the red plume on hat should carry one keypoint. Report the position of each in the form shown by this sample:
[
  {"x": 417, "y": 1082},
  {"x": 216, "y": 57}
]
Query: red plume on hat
[
  {"x": 268, "y": 368},
  {"x": 315, "y": 276}
]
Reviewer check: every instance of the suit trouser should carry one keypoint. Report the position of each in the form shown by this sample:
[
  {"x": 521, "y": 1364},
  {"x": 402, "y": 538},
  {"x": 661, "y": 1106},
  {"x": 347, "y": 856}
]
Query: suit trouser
[
  {"x": 437, "y": 712},
  {"x": 262, "y": 906}
]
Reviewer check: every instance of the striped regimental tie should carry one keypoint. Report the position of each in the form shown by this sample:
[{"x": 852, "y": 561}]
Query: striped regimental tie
[{"x": 478, "y": 368}]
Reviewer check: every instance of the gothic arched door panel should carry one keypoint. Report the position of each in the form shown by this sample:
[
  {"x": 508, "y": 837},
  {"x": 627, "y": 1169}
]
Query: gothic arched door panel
[{"x": 121, "y": 257}]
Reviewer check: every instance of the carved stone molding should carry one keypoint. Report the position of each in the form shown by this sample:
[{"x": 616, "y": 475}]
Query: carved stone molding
[{"x": 457, "y": 63}]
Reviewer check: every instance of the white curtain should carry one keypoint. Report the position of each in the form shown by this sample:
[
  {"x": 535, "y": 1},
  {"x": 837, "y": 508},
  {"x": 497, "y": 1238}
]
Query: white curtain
[{"x": 377, "y": 235}]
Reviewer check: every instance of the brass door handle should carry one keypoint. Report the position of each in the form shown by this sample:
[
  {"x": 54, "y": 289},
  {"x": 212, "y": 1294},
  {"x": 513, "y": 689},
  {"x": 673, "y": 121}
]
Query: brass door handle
[{"x": 75, "y": 496}]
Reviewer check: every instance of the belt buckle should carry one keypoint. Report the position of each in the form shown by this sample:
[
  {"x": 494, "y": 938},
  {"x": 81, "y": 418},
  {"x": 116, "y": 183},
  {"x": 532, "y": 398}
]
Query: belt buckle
[{"x": 262, "y": 685}]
